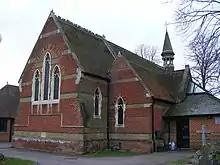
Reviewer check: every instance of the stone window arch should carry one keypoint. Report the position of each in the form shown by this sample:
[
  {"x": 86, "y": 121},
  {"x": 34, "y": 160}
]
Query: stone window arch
[
  {"x": 119, "y": 112},
  {"x": 56, "y": 83},
  {"x": 46, "y": 76},
  {"x": 36, "y": 86}
]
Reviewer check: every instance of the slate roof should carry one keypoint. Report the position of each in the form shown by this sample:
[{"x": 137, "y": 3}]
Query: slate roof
[
  {"x": 195, "y": 104},
  {"x": 96, "y": 56},
  {"x": 130, "y": 56},
  {"x": 90, "y": 49},
  {"x": 167, "y": 47},
  {"x": 165, "y": 86},
  {"x": 9, "y": 101}
]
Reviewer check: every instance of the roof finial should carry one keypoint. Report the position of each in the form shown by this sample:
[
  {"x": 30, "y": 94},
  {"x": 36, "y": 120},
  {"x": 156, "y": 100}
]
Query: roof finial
[
  {"x": 119, "y": 54},
  {"x": 7, "y": 82},
  {"x": 166, "y": 25},
  {"x": 52, "y": 13}
]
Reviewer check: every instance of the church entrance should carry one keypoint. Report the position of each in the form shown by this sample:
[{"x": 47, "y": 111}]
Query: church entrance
[{"x": 182, "y": 133}]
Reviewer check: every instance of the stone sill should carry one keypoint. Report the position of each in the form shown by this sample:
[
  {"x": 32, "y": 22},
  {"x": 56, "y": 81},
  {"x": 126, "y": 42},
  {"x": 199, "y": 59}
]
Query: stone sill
[
  {"x": 97, "y": 117},
  {"x": 42, "y": 102},
  {"x": 53, "y": 114},
  {"x": 2, "y": 133},
  {"x": 207, "y": 132},
  {"x": 120, "y": 126}
]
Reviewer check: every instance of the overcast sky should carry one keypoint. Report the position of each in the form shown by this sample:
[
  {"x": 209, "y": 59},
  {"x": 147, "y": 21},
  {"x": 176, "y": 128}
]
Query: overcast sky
[{"x": 127, "y": 23}]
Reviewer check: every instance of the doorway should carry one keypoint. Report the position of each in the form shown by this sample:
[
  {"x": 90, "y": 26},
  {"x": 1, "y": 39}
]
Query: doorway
[{"x": 182, "y": 133}]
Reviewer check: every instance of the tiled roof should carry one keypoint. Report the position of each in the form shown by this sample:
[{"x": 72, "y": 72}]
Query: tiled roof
[
  {"x": 96, "y": 56},
  {"x": 196, "y": 104},
  {"x": 9, "y": 101},
  {"x": 90, "y": 49}
]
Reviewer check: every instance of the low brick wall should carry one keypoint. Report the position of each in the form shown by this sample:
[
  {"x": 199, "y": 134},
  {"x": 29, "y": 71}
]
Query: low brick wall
[
  {"x": 95, "y": 145},
  {"x": 132, "y": 146},
  {"x": 58, "y": 146}
]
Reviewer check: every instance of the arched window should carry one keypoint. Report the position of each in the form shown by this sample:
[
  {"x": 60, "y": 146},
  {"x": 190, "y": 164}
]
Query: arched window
[
  {"x": 56, "y": 83},
  {"x": 97, "y": 103},
  {"x": 120, "y": 108},
  {"x": 46, "y": 76},
  {"x": 36, "y": 85}
]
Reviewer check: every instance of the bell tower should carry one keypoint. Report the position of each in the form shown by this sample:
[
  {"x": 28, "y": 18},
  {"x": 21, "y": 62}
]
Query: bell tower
[{"x": 167, "y": 53}]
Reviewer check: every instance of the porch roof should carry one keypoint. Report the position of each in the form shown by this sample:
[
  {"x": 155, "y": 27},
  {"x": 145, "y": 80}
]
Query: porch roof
[
  {"x": 195, "y": 105},
  {"x": 9, "y": 101}
]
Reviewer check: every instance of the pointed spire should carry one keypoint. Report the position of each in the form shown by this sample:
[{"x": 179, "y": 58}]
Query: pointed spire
[
  {"x": 167, "y": 53},
  {"x": 167, "y": 47}
]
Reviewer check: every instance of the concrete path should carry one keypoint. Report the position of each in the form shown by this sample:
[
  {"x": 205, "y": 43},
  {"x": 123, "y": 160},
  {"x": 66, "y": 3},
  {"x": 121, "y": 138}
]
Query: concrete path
[{"x": 43, "y": 158}]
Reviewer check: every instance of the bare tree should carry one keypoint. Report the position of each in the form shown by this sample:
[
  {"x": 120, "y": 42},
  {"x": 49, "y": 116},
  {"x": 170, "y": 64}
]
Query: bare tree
[
  {"x": 199, "y": 22},
  {"x": 148, "y": 52},
  {"x": 198, "y": 17},
  {"x": 205, "y": 55}
]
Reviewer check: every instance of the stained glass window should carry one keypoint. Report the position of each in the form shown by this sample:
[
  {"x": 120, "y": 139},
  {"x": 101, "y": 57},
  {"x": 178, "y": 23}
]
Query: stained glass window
[
  {"x": 36, "y": 86},
  {"x": 56, "y": 83},
  {"x": 46, "y": 76}
]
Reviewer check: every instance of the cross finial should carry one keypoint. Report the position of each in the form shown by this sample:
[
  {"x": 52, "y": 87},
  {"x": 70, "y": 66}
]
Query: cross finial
[
  {"x": 166, "y": 25},
  {"x": 119, "y": 53}
]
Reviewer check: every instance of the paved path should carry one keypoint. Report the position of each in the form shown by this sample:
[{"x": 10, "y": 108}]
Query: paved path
[
  {"x": 52, "y": 159},
  {"x": 43, "y": 158}
]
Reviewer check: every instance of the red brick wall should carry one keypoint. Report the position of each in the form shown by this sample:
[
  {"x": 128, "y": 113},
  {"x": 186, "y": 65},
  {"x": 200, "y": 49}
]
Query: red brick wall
[
  {"x": 48, "y": 117},
  {"x": 5, "y": 136},
  {"x": 212, "y": 129},
  {"x": 137, "y": 119}
]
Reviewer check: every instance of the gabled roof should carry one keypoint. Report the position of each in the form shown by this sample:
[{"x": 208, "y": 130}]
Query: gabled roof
[
  {"x": 95, "y": 55},
  {"x": 195, "y": 105},
  {"x": 90, "y": 49},
  {"x": 165, "y": 86},
  {"x": 9, "y": 101}
]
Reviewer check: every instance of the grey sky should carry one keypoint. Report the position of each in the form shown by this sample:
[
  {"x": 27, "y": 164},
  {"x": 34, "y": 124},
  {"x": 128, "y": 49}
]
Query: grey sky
[{"x": 127, "y": 23}]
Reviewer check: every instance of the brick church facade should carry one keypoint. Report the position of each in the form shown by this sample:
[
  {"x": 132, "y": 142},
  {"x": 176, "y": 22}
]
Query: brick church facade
[{"x": 82, "y": 93}]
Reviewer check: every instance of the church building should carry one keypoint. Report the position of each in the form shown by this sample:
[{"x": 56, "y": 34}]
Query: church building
[{"x": 81, "y": 93}]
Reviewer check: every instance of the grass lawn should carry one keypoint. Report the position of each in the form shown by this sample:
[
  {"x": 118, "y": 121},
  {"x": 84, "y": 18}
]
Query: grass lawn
[
  {"x": 14, "y": 161},
  {"x": 111, "y": 154},
  {"x": 218, "y": 157}
]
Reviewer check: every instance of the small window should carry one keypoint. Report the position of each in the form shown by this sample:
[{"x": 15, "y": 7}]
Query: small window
[
  {"x": 3, "y": 125},
  {"x": 46, "y": 76},
  {"x": 217, "y": 120},
  {"x": 120, "y": 108},
  {"x": 97, "y": 102},
  {"x": 56, "y": 83},
  {"x": 36, "y": 86}
]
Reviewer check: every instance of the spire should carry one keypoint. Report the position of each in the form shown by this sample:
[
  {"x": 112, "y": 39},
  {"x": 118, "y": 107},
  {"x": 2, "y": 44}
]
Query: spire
[
  {"x": 167, "y": 53},
  {"x": 167, "y": 47}
]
